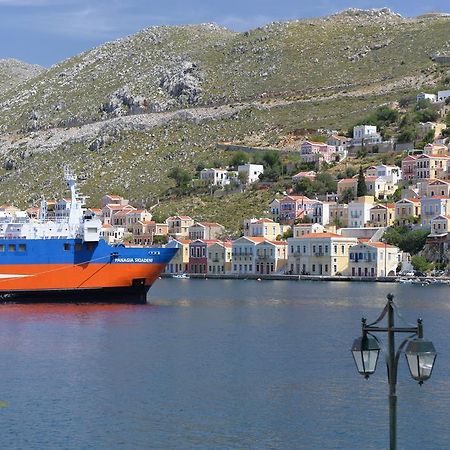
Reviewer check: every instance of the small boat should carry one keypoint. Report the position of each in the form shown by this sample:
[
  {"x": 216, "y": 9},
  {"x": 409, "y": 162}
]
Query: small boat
[
  {"x": 406, "y": 280},
  {"x": 183, "y": 276}
]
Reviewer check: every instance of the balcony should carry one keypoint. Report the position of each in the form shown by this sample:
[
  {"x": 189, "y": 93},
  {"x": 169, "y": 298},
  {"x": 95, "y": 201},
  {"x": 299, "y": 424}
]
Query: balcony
[{"x": 319, "y": 254}]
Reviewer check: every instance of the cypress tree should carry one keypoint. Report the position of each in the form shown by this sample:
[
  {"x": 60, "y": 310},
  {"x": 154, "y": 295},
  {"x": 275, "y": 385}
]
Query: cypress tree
[{"x": 361, "y": 188}]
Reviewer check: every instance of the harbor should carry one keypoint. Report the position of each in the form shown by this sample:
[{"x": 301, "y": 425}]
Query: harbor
[{"x": 217, "y": 364}]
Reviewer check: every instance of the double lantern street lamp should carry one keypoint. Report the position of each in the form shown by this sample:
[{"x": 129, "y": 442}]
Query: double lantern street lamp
[{"x": 420, "y": 355}]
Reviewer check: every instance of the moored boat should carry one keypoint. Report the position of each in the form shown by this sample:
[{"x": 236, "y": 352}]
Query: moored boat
[{"x": 45, "y": 260}]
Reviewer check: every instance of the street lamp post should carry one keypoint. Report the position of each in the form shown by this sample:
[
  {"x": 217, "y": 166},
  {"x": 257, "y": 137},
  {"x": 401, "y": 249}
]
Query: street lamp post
[{"x": 420, "y": 355}]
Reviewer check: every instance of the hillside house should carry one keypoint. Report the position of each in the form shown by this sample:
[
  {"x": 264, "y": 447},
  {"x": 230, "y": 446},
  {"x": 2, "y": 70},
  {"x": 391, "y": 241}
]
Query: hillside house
[
  {"x": 407, "y": 211},
  {"x": 178, "y": 226},
  {"x": 215, "y": 177},
  {"x": 206, "y": 231},
  {"x": 365, "y": 134},
  {"x": 250, "y": 173}
]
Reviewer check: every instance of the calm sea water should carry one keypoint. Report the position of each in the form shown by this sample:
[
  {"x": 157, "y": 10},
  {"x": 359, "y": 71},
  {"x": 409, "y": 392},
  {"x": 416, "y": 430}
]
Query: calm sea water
[{"x": 217, "y": 364}]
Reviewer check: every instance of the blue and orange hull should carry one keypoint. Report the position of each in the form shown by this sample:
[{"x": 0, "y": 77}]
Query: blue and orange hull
[{"x": 70, "y": 270}]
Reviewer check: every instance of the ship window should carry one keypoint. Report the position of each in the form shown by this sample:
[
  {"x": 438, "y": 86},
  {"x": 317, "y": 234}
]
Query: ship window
[
  {"x": 78, "y": 247},
  {"x": 22, "y": 247},
  {"x": 2, "y": 247},
  {"x": 90, "y": 246},
  {"x": 11, "y": 247},
  {"x": 66, "y": 247}
]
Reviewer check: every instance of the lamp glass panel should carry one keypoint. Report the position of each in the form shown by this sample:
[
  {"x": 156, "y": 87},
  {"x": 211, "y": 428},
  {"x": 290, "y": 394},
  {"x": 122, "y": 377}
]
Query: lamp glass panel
[
  {"x": 370, "y": 358},
  {"x": 426, "y": 362},
  {"x": 357, "y": 356},
  {"x": 413, "y": 364}
]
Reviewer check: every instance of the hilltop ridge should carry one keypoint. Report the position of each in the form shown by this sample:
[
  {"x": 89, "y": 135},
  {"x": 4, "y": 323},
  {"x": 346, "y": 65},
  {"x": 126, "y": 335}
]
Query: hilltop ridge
[{"x": 131, "y": 109}]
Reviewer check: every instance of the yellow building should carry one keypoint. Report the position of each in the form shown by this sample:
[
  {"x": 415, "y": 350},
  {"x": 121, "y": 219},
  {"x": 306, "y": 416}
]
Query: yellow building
[
  {"x": 406, "y": 210},
  {"x": 324, "y": 254},
  {"x": 179, "y": 226},
  {"x": 265, "y": 228},
  {"x": 219, "y": 258},
  {"x": 180, "y": 262},
  {"x": 382, "y": 215},
  {"x": 271, "y": 257},
  {"x": 440, "y": 225}
]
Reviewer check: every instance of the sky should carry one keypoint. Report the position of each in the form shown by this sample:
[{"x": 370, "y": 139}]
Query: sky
[{"x": 45, "y": 32}]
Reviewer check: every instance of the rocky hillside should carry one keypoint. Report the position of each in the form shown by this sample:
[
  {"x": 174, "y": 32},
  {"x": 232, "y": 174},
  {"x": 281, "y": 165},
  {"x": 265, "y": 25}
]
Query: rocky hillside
[
  {"x": 126, "y": 112},
  {"x": 14, "y": 72}
]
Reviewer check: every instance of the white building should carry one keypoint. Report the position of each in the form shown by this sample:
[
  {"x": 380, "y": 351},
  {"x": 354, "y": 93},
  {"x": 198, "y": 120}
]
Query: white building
[
  {"x": 373, "y": 259},
  {"x": 321, "y": 213},
  {"x": 359, "y": 211},
  {"x": 250, "y": 172},
  {"x": 425, "y": 96},
  {"x": 365, "y": 134},
  {"x": 442, "y": 96},
  {"x": 216, "y": 177},
  {"x": 390, "y": 174}
]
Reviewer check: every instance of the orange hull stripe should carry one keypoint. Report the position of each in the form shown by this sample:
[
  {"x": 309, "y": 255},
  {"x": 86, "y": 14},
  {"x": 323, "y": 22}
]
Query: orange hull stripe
[{"x": 64, "y": 276}]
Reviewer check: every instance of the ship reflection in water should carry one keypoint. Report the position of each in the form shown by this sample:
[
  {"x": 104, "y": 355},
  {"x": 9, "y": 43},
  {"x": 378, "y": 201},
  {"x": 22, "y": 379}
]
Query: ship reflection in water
[{"x": 216, "y": 364}]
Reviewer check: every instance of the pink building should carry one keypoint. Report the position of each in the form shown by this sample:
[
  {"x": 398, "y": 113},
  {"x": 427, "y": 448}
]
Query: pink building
[
  {"x": 293, "y": 207},
  {"x": 409, "y": 168},
  {"x": 317, "y": 152}
]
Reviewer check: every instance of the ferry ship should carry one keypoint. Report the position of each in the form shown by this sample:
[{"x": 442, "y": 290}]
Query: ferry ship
[{"x": 47, "y": 259}]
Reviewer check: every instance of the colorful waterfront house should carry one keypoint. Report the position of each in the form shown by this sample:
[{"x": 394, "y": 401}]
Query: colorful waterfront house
[
  {"x": 198, "y": 256},
  {"x": 112, "y": 234},
  {"x": 274, "y": 208},
  {"x": 431, "y": 167},
  {"x": 271, "y": 257},
  {"x": 215, "y": 177},
  {"x": 111, "y": 209},
  {"x": 310, "y": 175},
  {"x": 243, "y": 255},
  {"x": 359, "y": 211},
  {"x": 438, "y": 187},
  {"x": 219, "y": 257},
  {"x": 94, "y": 213},
  {"x": 323, "y": 254},
  {"x": 373, "y": 259},
  {"x": 206, "y": 230},
  {"x": 317, "y": 152},
  {"x": 320, "y": 212},
  {"x": 432, "y": 207},
  {"x": 179, "y": 226},
  {"x": 293, "y": 207},
  {"x": 382, "y": 215},
  {"x": 135, "y": 216},
  {"x": 302, "y": 229},
  {"x": 144, "y": 232},
  {"x": 346, "y": 184},
  {"x": 113, "y": 200},
  {"x": 435, "y": 149},
  {"x": 119, "y": 219},
  {"x": 180, "y": 262},
  {"x": 409, "y": 168},
  {"x": 440, "y": 225},
  {"x": 407, "y": 211},
  {"x": 250, "y": 173},
  {"x": 339, "y": 214},
  {"x": 264, "y": 227}
]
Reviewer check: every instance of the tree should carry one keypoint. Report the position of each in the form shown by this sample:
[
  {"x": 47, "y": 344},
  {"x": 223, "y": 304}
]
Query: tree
[
  {"x": 239, "y": 158},
  {"x": 361, "y": 188},
  {"x": 408, "y": 241},
  {"x": 347, "y": 196},
  {"x": 304, "y": 186},
  {"x": 420, "y": 263},
  {"x": 180, "y": 176}
]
